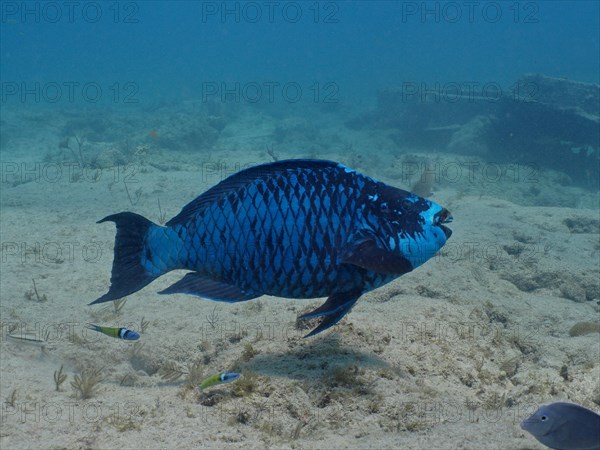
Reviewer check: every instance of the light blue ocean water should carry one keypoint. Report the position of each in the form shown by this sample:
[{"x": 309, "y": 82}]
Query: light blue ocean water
[{"x": 169, "y": 49}]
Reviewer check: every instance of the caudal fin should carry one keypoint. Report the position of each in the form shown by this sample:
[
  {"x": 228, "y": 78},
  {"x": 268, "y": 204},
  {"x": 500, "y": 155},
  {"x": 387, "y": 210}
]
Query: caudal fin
[{"x": 128, "y": 273}]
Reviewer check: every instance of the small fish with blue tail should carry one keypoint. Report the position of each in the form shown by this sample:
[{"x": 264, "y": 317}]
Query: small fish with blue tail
[
  {"x": 565, "y": 426},
  {"x": 294, "y": 229},
  {"x": 220, "y": 378},
  {"x": 119, "y": 333}
]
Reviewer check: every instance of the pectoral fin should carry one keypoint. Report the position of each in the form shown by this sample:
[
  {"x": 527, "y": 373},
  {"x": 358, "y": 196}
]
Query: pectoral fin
[
  {"x": 336, "y": 307},
  {"x": 366, "y": 253}
]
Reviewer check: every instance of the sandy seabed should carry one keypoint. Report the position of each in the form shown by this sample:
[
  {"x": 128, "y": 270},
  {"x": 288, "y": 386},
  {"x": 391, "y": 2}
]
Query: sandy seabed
[{"x": 451, "y": 356}]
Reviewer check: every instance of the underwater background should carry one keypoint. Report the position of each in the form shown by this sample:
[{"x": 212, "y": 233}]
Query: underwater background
[{"x": 491, "y": 109}]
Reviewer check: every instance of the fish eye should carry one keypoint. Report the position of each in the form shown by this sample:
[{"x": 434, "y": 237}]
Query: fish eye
[
  {"x": 406, "y": 204},
  {"x": 384, "y": 207},
  {"x": 544, "y": 418}
]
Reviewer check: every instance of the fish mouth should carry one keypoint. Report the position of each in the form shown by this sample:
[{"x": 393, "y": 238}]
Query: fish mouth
[
  {"x": 441, "y": 218},
  {"x": 447, "y": 231}
]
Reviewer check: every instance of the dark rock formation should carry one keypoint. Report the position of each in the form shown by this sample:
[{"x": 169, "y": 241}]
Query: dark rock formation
[{"x": 549, "y": 122}]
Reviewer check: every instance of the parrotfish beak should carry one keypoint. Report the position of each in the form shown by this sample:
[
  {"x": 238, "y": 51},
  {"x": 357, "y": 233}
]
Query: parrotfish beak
[{"x": 441, "y": 218}]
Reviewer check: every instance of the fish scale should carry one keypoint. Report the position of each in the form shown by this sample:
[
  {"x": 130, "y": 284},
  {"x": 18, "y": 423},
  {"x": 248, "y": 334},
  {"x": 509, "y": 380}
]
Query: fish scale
[
  {"x": 294, "y": 202},
  {"x": 295, "y": 229}
]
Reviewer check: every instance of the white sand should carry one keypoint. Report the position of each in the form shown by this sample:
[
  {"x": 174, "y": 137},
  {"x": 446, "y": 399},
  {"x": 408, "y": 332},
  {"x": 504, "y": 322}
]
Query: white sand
[{"x": 450, "y": 356}]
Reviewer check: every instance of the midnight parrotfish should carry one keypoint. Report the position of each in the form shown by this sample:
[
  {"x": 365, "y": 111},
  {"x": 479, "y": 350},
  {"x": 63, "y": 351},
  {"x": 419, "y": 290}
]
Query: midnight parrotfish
[
  {"x": 293, "y": 229},
  {"x": 565, "y": 426}
]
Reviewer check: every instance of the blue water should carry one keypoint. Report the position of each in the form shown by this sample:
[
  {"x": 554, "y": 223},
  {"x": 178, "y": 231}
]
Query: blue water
[{"x": 169, "y": 49}]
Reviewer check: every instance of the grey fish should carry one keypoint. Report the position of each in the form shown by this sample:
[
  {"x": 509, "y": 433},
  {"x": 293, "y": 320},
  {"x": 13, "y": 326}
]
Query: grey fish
[
  {"x": 32, "y": 340},
  {"x": 293, "y": 229},
  {"x": 565, "y": 426}
]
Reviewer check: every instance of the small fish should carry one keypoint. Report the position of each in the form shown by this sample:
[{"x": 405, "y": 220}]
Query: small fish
[
  {"x": 424, "y": 186},
  {"x": 565, "y": 426},
  {"x": 292, "y": 229},
  {"x": 220, "y": 378},
  {"x": 27, "y": 339},
  {"x": 119, "y": 333}
]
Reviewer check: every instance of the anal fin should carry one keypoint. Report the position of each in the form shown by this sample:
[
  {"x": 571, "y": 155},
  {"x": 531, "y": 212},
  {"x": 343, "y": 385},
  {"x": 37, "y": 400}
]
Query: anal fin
[
  {"x": 196, "y": 284},
  {"x": 336, "y": 307}
]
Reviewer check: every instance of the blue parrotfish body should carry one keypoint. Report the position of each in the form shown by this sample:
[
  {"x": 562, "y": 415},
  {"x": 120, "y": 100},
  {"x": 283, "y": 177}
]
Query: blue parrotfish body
[{"x": 293, "y": 229}]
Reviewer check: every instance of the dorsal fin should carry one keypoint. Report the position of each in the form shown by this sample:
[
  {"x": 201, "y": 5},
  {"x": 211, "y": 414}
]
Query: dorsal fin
[{"x": 242, "y": 178}]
